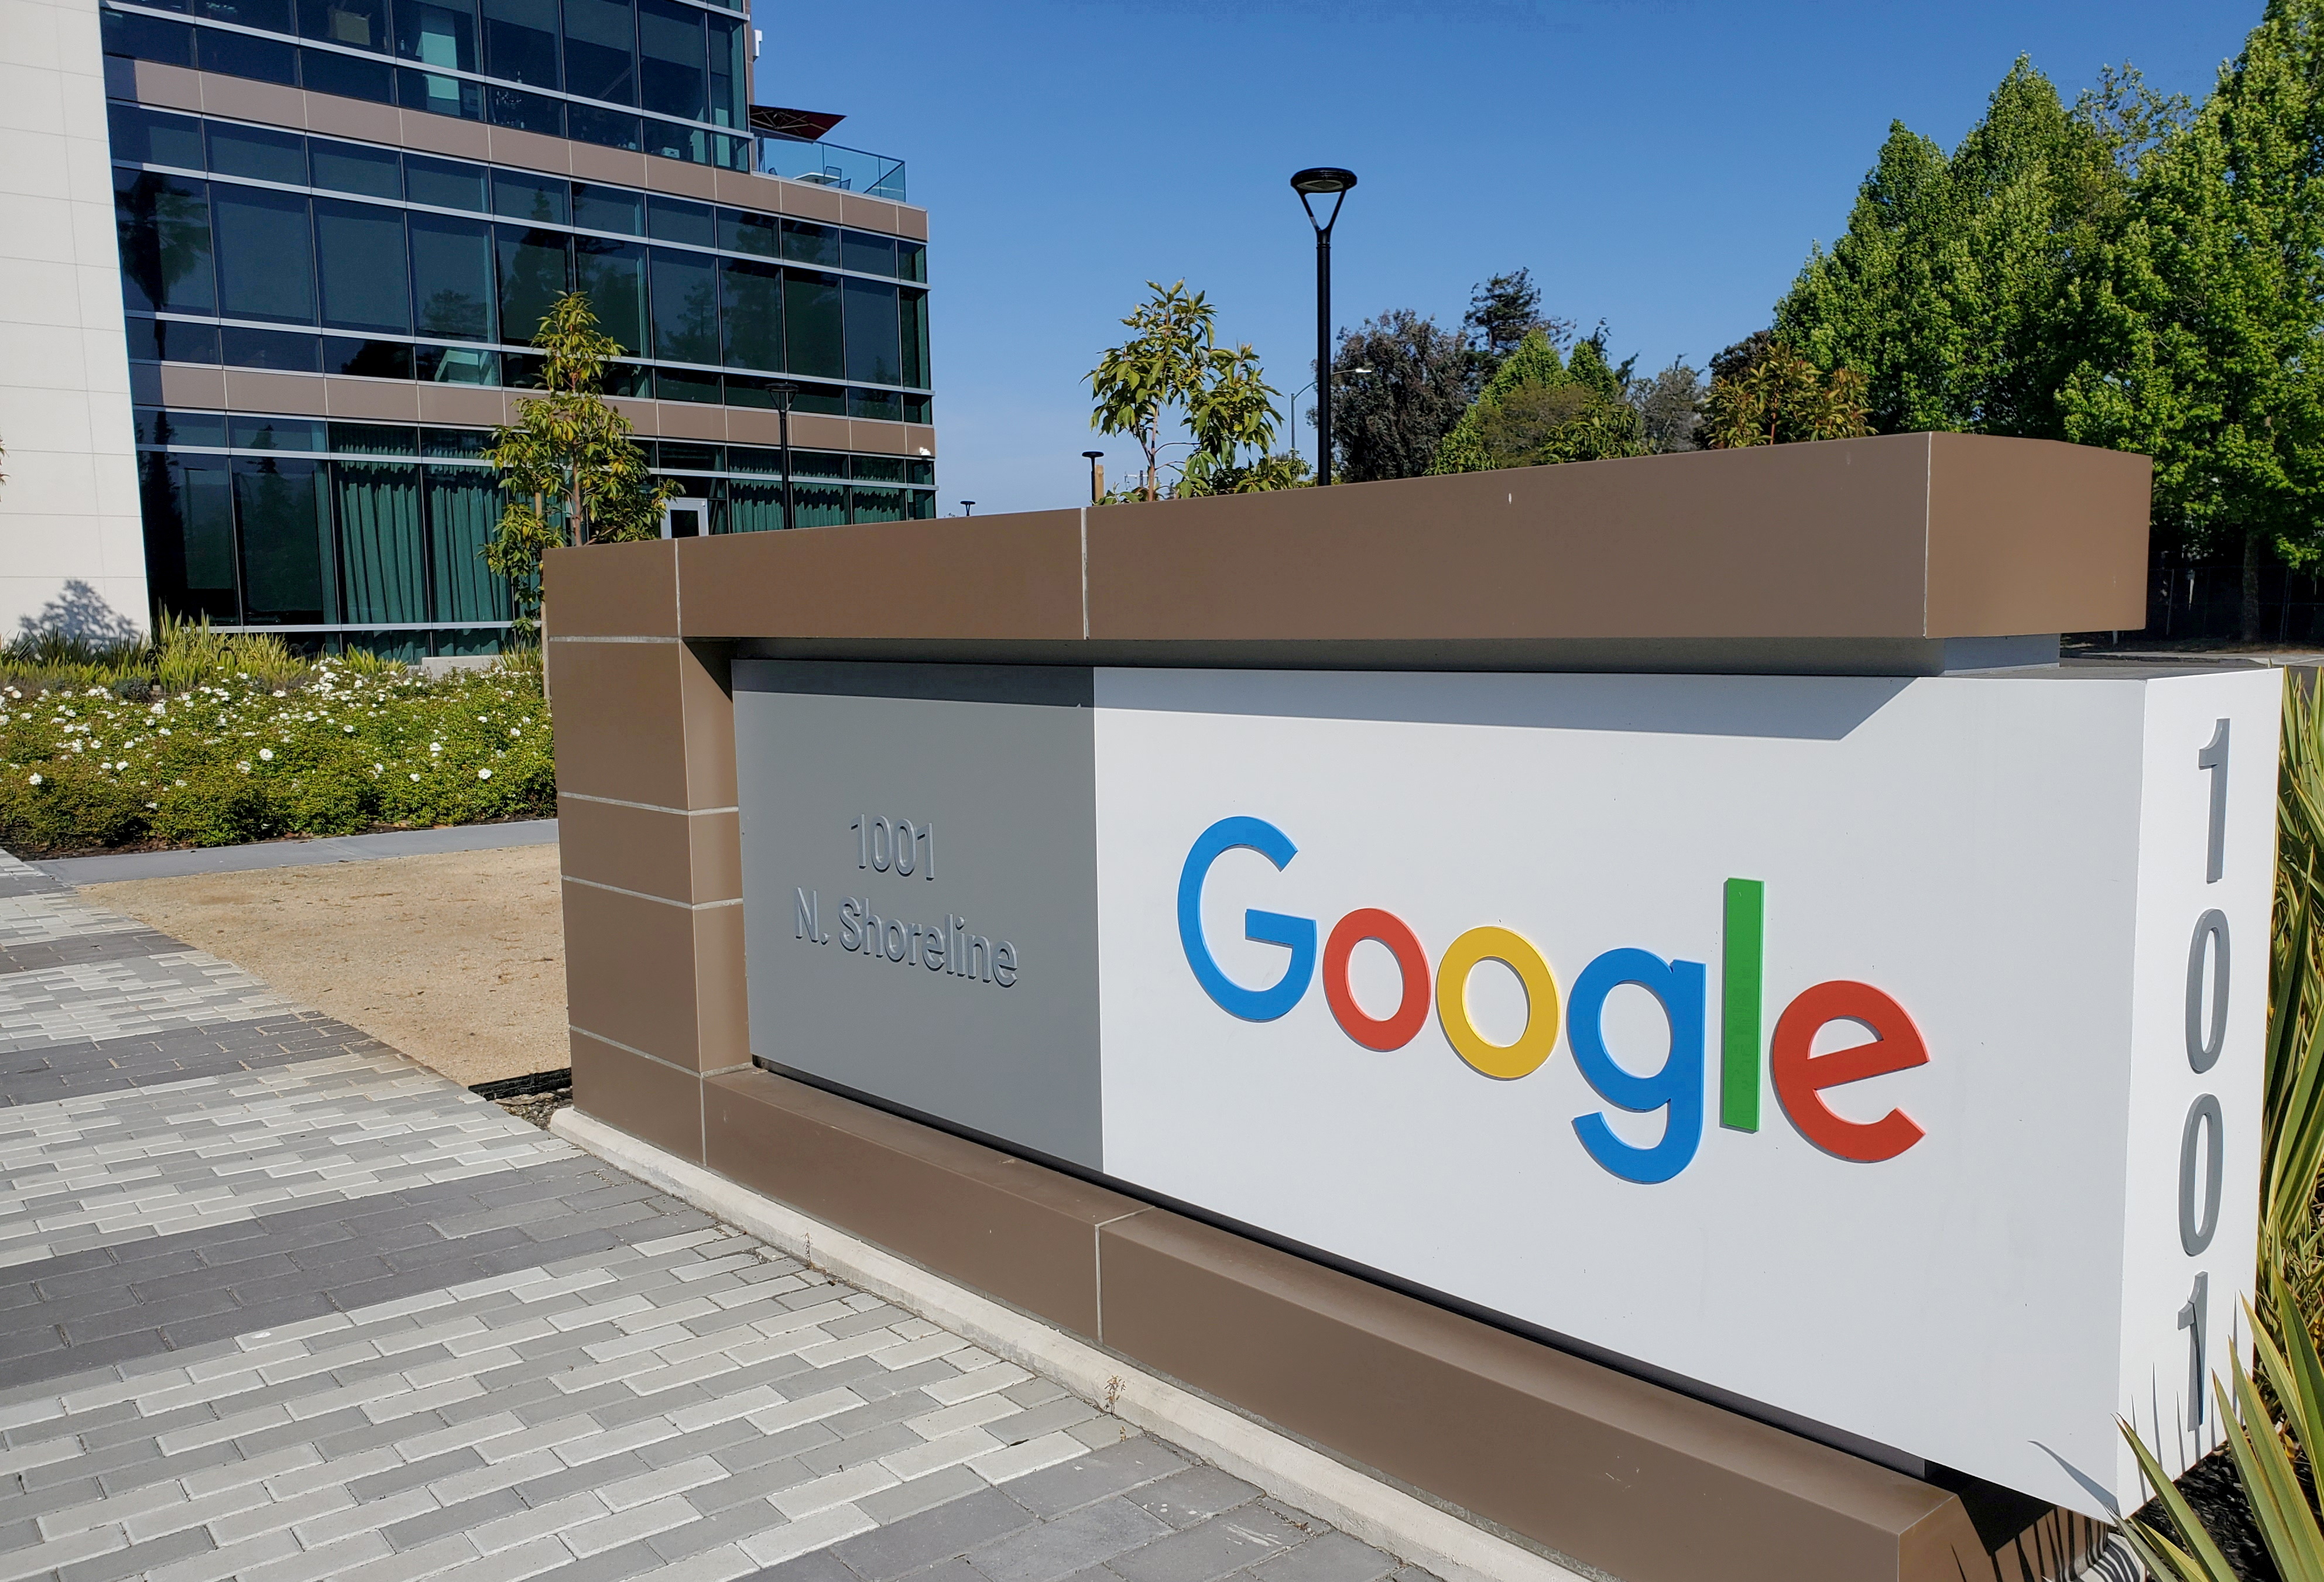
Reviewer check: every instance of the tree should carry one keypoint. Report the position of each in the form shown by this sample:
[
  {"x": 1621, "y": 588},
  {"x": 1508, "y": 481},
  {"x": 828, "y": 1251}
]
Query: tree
[
  {"x": 1387, "y": 421},
  {"x": 569, "y": 466},
  {"x": 1765, "y": 392},
  {"x": 2204, "y": 318},
  {"x": 1670, "y": 407},
  {"x": 1174, "y": 360},
  {"x": 1951, "y": 291},
  {"x": 1539, "y": 407},
  {"x": 1503, "y": 311}
]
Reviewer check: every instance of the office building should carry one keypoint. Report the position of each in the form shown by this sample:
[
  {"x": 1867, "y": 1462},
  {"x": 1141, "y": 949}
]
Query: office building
[{"x": 337, "y": 223}]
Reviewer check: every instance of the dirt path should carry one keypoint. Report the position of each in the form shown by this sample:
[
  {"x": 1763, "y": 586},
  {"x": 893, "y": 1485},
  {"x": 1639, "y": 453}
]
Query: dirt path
[{"x": 457, "y": 960}]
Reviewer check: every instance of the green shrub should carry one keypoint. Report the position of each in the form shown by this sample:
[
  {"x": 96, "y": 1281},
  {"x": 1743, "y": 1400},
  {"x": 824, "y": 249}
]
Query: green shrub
[{"x": 335, "y": 748}]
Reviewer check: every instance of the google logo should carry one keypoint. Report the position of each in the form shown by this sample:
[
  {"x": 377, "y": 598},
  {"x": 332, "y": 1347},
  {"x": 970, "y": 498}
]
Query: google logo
[{"x": 1798, "y": 1075}]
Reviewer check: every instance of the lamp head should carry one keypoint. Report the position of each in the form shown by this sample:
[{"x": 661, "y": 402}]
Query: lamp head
[{"x": 1322, "y": 181}]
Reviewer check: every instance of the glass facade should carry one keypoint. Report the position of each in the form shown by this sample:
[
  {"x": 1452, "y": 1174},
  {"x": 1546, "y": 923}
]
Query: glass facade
[
  {"x": 249, "y": 246},
  {"x": 373, "y": 534},
  {"x": 259, "y": 248},
  {"x": 662, "y": 77}
]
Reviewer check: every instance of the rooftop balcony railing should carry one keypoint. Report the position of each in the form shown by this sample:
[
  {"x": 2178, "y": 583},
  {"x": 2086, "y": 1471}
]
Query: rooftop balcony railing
[{"x": 830, "y": 164}]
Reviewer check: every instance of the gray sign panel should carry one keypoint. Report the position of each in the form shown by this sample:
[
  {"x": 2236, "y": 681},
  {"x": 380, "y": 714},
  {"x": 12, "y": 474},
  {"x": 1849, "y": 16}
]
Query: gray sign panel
[{"x": 920, "y": 888}]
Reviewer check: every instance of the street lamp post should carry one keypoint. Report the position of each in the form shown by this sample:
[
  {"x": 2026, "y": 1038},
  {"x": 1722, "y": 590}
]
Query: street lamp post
[
  {"x": 1097, "y": 475},
  {"x": 968, "y": 508},
  {"x": 1322, "y": 181},
  {"x": 784, "y": 388}
]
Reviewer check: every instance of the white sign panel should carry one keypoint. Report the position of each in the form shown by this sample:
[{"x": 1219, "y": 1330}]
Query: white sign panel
[{"x": 1883, "y": 1050}]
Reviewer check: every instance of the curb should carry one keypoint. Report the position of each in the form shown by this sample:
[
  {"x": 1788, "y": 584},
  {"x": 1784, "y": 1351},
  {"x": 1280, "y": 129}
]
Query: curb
[{"x": 1379, "y": 1514}]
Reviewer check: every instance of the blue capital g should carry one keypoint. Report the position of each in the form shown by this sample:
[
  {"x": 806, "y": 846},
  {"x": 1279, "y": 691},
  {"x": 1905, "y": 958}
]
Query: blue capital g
[{"x": 1274, "y": 928}]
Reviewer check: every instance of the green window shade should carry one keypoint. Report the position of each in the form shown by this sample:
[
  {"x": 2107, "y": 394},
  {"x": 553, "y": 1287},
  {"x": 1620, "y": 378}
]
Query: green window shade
[
  {"x": 613, "y": 275},
  {"x": 164, "y": 229},
  {"x": 871, "y": 333},
  {"x": 879, "y": 505},
  {"x": 685, "y": 306},
  {"x": 463, "y": 507},
  {"x": 812, "y": 338},
  {"x": 360, "y": 258},
  {"x": 534, "y": 272},
  {"x": 265, "y": 255},
  {"x": 819, "y": 505},
  {"x": 912, "y": 313},
  {"x": 753, "y": 508},
  {"x": 380, "y": 541},
  {"x": 286, "y": 541},
  {"x": 752, "y": 312},
  {"x": 452, "y": 277}
]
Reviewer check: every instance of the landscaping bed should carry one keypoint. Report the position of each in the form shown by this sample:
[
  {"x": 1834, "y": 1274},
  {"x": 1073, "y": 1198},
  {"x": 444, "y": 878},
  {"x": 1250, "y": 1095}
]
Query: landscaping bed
[{"x": 331, "y": 746}]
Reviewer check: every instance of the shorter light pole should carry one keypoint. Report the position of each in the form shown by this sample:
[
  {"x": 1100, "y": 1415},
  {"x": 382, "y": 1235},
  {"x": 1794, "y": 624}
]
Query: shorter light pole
[
  {"x": 1097, "y": 475},
  {"x": 1322, "y": 181},
  {"x": 786, "y": 390},
  {"x": 1295, "y": 394},
  {"x": 968, "y": 508}
]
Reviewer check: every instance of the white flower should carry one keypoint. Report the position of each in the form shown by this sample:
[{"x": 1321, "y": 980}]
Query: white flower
[
  {"x": 266, "y": 754},
  {"x": 350, "y": 730},
  {"x": 484, "y": 774},
  {"x": 243, "y": 768},
  {"x": 514, "y": 731},
  {"x": 435, "y": 747},
  {"x": 415, "y": 776},
  {"x": 378, "y": 769},
  {"x": 34, "y": 781},
  {"x": 280, "y": 692}
]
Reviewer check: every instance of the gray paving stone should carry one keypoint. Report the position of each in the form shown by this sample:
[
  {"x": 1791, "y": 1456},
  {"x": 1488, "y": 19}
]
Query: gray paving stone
[
  {"x": 933, "y": 1535},
  {"x": 921, "y": 1493},
  {"x": 884, "y": 1439},
  {"x": 1331, "y": 1557},
  {"x": 1192, "y": 1496},
  {"x": 1241, "y": 1538},
  {"x": 1089, "y": 1536},
  {"x": 1086, "y": 1479},
  {"x": 414, "y": 1532}
]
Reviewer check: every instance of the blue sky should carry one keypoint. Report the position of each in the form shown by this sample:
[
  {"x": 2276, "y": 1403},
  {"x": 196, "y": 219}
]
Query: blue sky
[{"x": 1662, "y": 164}]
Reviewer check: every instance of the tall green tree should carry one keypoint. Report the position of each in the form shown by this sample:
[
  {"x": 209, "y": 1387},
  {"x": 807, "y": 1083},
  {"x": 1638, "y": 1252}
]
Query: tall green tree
[
  {"x": 1502, "y": 311},
  {"x": 569, "y": 464},
  {"x": 1539, "y": 407},
  {"x": 1173, "y": 361},
  {"x": 1953, "y": 290},
  {"x": 2205, "y": 321}
]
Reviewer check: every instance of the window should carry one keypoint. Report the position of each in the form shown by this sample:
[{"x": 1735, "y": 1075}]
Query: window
[
  {"x": 884, "y": 405},
  {"x": 752, "y": 308},
  {"x": 274, "y": 433},
  {"x": 742, "y": 232},
  {"x": 287, "y": 572},
  {"x": 164, "y": 226},
  {"x": 374, "y": 440},
  {"x": 444, "y": 183},
  {"x": 350, "y": 167},
  {"x": 456, "y": 365},
  {"x": 813, "y": 342},
  {"x": 912, "y": 314},
  {"x": 285, "y": 351},
  {"x": 872, "y": 254},
  {"x": 382, "y": 545},
  {"x": 241, "y": 55},
  {"x": 148, "y": 137},
  {"x": 673, "y": 220},
  {"x": 438, "y": 32},
  {"x": 819, "y": 505},
  {"x": 871, "y": 333},
  {"x": 452, "y": 292},
  {"x": 670, "y": 49},
  {"x": 439, "y": 95},
  {"x": 684, "y": 308},
  {"x": 265, "y": 256},
  {"x": 360, "y": 264},
  {"x": 147, "y": 37},
  {"x": 258, "y": 153},
  {"x": 360, "y": 23},
  {"x": 351, "y": 77},
  {"x": 189, "y": 508},
  {"x": 601, "y": 40},
  {"x": 273, "y": 15},
  {"x": 808, "y": 243},
  {"x": 521, "y": 40},
  {"x": 605, "y": 128},
  {"x": 911, "y": 260},
  {"x": 672, "y": 384},
  {"x": 879, "y": 505},
  {"x": 162, "y": 340},
  {"x": 608, "y": 208},
  {"x": 534, "y": 272},
  {"x": 366, "y": 359},
  {"x": 614, "y": 274},
  {"x": 540, "y": 199},
  {"x": 730, "y": 71},
  {"x": 753, "y": 508}
]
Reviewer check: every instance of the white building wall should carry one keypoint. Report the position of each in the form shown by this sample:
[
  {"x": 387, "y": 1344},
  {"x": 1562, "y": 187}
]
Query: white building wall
[{"x": 72, "y": 553}]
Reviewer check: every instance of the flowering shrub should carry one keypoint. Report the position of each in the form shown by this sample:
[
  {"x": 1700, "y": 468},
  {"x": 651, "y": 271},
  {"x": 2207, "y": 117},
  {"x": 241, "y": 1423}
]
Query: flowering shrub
[{"x": 240, "y": 760}]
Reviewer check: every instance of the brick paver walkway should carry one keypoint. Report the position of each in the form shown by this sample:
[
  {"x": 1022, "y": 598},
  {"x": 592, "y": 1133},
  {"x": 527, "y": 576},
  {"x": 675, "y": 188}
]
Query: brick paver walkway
[{"x": 277, "y": 1304}]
